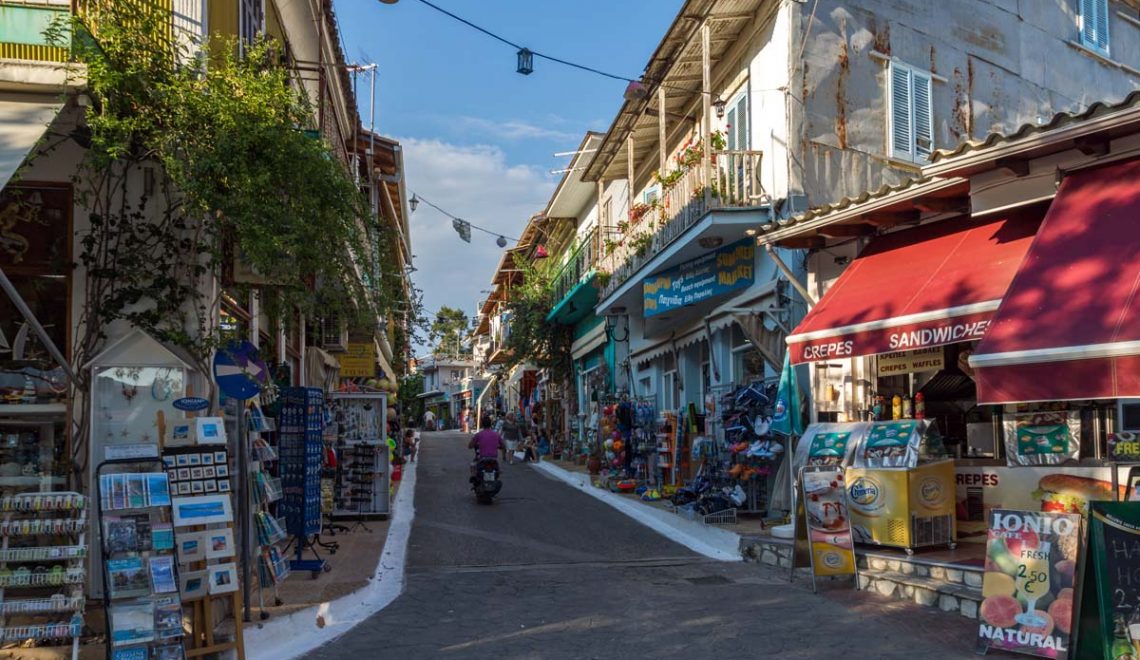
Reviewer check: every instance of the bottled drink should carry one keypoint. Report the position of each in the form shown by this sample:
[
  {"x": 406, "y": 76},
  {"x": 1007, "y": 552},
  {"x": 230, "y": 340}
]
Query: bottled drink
[
  {"x": 1134, "y": 629},
  {"x": 1121, "y": 648}
]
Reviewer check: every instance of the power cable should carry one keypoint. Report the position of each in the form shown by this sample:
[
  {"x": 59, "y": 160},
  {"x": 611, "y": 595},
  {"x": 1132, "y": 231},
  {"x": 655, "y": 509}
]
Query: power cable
[
  {"x": 551, "y": 58},
  {"x": 421, "y": 198}
]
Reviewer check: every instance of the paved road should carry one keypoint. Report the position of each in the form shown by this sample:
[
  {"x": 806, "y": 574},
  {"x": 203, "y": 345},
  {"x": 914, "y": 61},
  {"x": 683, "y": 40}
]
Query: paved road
[{"x": 548, "y": 572}]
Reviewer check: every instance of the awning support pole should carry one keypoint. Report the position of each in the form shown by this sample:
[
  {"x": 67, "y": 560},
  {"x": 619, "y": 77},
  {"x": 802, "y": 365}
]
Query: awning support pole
[
  {"x": 41, "y": 333},
  {"x": 810, "y": 299}
]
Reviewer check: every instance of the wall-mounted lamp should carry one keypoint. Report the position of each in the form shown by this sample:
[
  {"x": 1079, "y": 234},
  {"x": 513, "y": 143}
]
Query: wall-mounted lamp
[
  {"x": 414, "y": 201},
  {"x": 719, "y": 105}
]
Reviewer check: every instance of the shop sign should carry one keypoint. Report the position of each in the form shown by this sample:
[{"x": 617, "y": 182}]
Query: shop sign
[
  {"x": 1109, "y": 619},
  {"x": 1124, "y": 446},
  {"x": 979, "y": 490},
  {"x": 913, "y": 336},
  {"x": 1028, "y": 586},
  {"x": 716, "y": 273},
  {"x": 358, "y": 360},
  {"x": 908, "y": 362},
  {"x": 191, "y": 403},
  {"x": 828, "y": 521}
]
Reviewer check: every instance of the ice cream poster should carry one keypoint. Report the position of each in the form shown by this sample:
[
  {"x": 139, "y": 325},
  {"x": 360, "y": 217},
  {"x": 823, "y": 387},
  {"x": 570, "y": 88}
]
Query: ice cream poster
[{"x": 1027, "y": 589}]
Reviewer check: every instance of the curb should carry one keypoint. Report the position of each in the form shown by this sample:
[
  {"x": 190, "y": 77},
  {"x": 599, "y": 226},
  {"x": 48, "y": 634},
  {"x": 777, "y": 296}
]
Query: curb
[
  {"x": 714, "y": 543},
  {"x": 297, "y": 633}
]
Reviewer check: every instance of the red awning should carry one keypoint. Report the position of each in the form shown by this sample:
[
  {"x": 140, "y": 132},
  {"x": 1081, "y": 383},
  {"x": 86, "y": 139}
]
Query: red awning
[
  {"x": 1069, "y": 328},
  {"x": 933, "y": 285}
]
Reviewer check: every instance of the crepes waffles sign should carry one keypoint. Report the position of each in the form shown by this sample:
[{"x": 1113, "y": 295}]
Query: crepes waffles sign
[{"x": 726, "y": 270}]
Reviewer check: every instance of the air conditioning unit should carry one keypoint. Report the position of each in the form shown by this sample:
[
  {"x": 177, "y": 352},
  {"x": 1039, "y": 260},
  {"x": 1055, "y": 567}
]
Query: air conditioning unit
[{"x": 334, "y": 334}]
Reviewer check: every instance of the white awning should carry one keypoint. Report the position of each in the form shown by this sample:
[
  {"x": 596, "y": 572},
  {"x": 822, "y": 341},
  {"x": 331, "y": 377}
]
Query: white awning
[{"x": 22, "y": 123}]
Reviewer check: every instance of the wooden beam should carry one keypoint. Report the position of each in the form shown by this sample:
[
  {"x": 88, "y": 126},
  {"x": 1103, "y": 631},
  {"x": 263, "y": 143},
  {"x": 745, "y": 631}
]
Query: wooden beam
[
  {"x": 1018, "y": 167},
  {"x": 802, "y": 242},
  {"x": 629, "y": 154},
  {"x": 1092, "y": 146},
  {"x": 706, "y": 111},
  {"x": 661, "y": 140},
  {"x": 891, "y": 218},
  {"x": 846, "y": 231},
  {"x": 943, "y": 204}
]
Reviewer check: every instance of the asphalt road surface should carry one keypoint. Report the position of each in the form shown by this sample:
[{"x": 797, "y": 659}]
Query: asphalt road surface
[{"x": 549, "y": 572}]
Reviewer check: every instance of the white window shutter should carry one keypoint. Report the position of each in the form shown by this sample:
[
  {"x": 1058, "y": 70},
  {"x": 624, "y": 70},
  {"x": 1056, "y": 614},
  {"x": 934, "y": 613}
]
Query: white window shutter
[
  {"x": 901, "y": 129},
  {"x": 1101, "y": 24},
  {"x": 923, "y": 117}
]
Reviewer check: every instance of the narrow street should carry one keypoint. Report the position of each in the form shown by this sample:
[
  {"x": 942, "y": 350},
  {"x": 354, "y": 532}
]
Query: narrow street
[{"x": 547, "y": 572}]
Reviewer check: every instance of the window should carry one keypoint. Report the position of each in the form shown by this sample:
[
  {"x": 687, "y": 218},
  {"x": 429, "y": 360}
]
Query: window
[
  {"x": 911, "y": 124},
  {"x": 1094, "y": 24},
  {"x": 670, "y": 397},
  {"x": 651, "y": 194},
  {"x": 737, "y": 124}
]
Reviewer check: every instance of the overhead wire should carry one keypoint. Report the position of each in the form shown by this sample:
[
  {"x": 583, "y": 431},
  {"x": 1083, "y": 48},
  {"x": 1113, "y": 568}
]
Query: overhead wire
[
  {"x": 455, "y": 217},
  {"x": 558, "y": 60}
]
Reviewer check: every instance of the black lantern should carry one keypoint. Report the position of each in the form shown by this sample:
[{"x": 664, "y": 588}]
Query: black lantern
[
  {"x": 414, "y": 202},
  {"x": 526, "y": 62},
  {"x": 719, "y": 106},
  {"x": 501, "y": 242}
]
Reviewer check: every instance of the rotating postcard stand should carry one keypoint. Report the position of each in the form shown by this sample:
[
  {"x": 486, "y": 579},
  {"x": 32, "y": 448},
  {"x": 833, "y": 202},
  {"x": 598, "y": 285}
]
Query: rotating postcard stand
[{"x": 299, "y": 456}]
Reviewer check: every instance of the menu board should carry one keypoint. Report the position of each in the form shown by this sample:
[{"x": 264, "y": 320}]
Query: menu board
[
  {"x": 828, "y": 448},
  {"x": 828, "y": 521},
  {"x": 1027, "y": 589},
  {"x": 1110, "y": 590},
  {"x": 888, "y": 443}
]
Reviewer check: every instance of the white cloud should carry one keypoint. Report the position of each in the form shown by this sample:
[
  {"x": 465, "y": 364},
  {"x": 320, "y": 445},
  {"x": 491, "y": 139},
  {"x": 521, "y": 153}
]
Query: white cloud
[
  {"x": 477, "y": 184},
  {"x": 514, "y": 129}
]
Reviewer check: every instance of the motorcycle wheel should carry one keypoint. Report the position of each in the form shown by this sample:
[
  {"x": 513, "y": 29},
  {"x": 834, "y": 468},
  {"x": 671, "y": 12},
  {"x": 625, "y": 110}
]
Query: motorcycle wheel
[{"x": 484, "y": 499}]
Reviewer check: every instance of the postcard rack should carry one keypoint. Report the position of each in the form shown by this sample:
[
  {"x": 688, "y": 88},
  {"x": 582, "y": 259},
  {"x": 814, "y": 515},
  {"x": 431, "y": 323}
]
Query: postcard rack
[
  {"x": 140, "y": 570},
  {"x": 43, "y": 601},
  {"x": 300, "y": 448}
]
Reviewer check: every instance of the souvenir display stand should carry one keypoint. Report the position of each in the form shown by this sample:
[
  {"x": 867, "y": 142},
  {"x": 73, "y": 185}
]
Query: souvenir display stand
[
  {"x": 299, "y": 455},
  {"x": 753, "y": 453},
  {"x": 139, "y": 567},
  {"x": 38, "y": 602},
  {"x": 266, "y": 492},
  {"x": 361, "y": 424},
  {"x": 666, "y": 440}
]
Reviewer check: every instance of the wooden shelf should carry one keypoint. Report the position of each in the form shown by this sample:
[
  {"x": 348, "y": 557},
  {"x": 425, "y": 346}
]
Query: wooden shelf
[{"x": 33, "y": 409}]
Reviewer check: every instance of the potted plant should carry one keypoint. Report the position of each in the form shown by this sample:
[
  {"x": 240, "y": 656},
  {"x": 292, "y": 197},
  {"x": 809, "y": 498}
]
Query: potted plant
[
  {"x": 604, "y": 278},
  {"x": 638, "y": 212},
  {"x": 641, "y": 244}
]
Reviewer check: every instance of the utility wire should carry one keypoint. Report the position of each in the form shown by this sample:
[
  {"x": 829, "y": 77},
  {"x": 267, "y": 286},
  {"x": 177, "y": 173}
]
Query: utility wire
[
  {"x": 551, "y": 58},
  {"x": 454, "y": 217}
]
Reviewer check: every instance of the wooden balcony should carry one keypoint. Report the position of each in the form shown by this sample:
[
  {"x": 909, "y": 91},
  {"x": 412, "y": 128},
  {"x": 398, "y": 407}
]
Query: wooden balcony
[{"x": 735, "y": 185}]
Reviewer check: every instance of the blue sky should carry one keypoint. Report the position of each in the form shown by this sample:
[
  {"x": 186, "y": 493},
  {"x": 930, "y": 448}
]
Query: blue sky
[{"x": 479, "y": 138}]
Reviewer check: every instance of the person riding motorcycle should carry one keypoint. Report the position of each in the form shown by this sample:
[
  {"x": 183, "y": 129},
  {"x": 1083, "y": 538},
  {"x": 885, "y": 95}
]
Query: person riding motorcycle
[{"x": 486, "y": 443}]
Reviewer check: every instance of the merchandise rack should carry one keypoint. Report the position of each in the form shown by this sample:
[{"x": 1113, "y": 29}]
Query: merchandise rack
[
  {"x": 299, "y": 450},
  {"x": 266, "y": 491},
  {"x": 35, "y": 516},
  {"x": 360, "y": 423}
]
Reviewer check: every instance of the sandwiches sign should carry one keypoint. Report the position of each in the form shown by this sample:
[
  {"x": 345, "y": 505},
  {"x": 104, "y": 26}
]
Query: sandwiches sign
[{"x": 1027, "y": 590}]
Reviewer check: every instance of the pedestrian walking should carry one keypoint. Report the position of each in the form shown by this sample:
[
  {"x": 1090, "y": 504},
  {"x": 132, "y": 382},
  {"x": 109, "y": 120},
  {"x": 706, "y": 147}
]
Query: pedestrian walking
[
  {"x": 512, "y": 435},
  {"x": 429, "y": 420}
]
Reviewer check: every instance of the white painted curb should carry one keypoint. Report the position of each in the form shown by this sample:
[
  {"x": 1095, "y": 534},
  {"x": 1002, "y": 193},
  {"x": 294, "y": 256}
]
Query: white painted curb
[
  {"x": 712, "y": 542},
  {"x": 295, "y": 634}
]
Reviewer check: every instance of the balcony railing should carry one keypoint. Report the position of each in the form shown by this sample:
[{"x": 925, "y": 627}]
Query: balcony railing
[
  {"x": 735, "y": 185},
  {"x": 580, "y": 263}
]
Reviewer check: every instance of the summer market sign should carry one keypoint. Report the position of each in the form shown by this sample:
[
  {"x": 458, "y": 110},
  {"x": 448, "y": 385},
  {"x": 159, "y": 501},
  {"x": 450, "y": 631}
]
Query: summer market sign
[
  {"x": 719, "y": 272},
  {"x": 358, "y": 360},
  {"x": 1028, "y": 586}
]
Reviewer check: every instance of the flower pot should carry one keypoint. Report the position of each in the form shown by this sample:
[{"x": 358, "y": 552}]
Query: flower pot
[{"x": 594, "y": 465}]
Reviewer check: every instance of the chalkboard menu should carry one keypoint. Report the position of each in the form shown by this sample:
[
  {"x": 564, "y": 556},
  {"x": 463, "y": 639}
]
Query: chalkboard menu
[{"x": 1110, "y": 589}]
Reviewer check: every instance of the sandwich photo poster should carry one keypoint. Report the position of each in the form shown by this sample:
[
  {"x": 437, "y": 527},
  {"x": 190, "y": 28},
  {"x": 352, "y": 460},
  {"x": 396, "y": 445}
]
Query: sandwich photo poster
[
  {"x": 981, "y": 489},
  {"x": 1029, "y": 581}
]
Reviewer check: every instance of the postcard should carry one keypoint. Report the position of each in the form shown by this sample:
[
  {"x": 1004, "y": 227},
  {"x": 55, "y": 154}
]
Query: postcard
[
  {"x": 191, "y": 547},
  {"x": 223, "y": 485},
  {"x": 208, "y": 458},
  {"x": 196, "y": 473},
  {"x": 197, "y": 487},
  {"x": 222, "y": 470},
  {"x": 127, "y": 577},
  {"x": 169, "y": 652},
  {"x": 132, "y": 653},
  {"x": 120, "y": 534},
  {"x": 219, "y": 458},
  {"x": 118, "y": 491},
  {"x": 162, "y": 574},
  {"x": 182, "y": 460},
  {"x": 180, "y": 434},
  {"x": 211, "y": 430},
  {"x": 219, "y": 543},
  {"x": 132, "y": 623},
  {"x": 184, "y": 488},
  {"x": 142, "y": 528},
  {"x": 223, "y": 578},
  {"x": 193, "y": 585},
  {"x": 162, "y": 536},
  {"x": 211, "y": 485},
  {"x": 184, "y": 474},
  {"x": 202, "y": 510},
  {"x": 168, "y": 617},
  {"x": 193, "y": 459},
  {"x": 158, "y": 489}
]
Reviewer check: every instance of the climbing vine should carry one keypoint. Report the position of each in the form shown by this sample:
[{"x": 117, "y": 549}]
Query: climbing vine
[{"x": 192, "y": 162}]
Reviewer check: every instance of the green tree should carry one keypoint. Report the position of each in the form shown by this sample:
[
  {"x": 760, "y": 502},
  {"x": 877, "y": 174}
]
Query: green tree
[{"x": 449, "y": 332}]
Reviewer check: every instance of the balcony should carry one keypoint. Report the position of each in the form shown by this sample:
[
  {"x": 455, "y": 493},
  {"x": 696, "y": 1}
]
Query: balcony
[
  {"x": 735, "y": 187},
  {"x": 23, "y": 27},
  {"x": 573, "y": 293}
]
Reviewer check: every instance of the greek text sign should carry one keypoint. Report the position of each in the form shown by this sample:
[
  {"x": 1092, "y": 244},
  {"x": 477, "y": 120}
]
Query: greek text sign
[{"x": 716, "y": 273}]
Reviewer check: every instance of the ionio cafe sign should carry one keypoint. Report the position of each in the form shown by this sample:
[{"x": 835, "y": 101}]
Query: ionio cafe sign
[{"x": 887, "y": 340}]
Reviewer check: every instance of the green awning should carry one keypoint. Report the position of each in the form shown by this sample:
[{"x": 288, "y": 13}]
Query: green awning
[{"x": 577, "y": 303}]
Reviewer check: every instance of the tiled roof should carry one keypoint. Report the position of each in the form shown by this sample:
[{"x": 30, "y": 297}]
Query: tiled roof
[
  {"x": 1059, "y": 120},
  {"x": 846, "y": 202}
]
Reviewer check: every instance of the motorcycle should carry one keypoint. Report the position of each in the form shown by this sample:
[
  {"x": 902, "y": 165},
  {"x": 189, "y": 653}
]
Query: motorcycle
[{"x": 485, "y": 482}]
